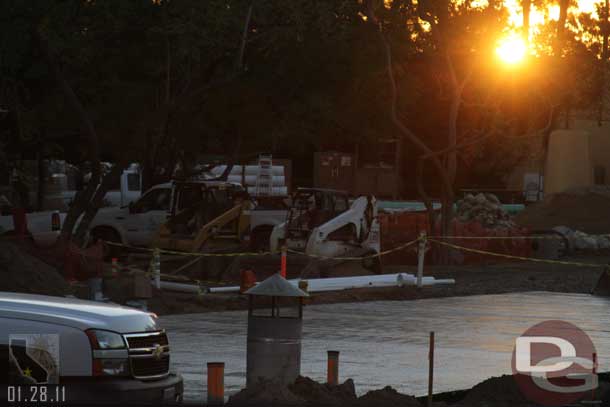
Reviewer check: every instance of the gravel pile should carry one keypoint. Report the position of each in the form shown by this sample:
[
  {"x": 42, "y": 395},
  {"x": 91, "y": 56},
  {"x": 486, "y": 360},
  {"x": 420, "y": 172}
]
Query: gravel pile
[{"x": 485, "y": 209}]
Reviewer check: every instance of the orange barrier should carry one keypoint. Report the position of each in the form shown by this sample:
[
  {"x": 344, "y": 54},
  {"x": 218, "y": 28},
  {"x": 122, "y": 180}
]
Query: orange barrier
[
  {"x": 216, "y": 383},
  {"x": 247, "y": 280},
  {"x": 400, "y": 227},
  {"x": 332, "y": 373}
]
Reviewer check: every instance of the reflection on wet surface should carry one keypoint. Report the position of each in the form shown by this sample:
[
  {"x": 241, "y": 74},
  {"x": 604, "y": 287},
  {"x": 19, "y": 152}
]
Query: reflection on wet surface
[{"x": 386, "y": 343}]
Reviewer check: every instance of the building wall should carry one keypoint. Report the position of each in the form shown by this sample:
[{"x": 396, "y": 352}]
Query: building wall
[{"x": 568, "y": 162}]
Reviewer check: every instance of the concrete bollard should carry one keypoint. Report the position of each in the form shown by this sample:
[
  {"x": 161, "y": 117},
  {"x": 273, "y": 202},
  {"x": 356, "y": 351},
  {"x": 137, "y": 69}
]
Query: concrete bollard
[
  {"x": 332, "y": 375},
  {"x": 283, "y": 262},
  {"x": 216, "y": 383}
]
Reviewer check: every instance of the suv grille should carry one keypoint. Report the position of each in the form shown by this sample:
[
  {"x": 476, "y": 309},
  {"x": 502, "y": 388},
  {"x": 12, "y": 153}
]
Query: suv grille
[
  {"x": 146, "y": 341},
  {"x": 147, "y": 367},
  {"x": 148, "y": 354}
]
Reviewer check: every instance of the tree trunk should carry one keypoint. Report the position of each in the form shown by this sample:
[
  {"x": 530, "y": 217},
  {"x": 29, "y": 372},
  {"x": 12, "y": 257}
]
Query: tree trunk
[
  {"x": 527, "y": 5},
  {"x": 96, "y": 203},
  {"x": 42, "y": 173},
  {"x": 561, "y": 27},
  {"x": 83, "y": 197}
]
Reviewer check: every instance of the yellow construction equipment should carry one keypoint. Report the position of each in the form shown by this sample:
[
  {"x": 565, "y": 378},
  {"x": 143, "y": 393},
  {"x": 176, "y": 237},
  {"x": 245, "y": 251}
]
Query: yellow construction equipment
[{"x": 206, "y": 216}]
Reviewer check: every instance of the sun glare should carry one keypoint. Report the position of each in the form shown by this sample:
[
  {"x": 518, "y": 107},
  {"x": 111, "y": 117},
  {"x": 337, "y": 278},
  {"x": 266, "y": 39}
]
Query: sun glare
[{"x": 511, "y": 49}]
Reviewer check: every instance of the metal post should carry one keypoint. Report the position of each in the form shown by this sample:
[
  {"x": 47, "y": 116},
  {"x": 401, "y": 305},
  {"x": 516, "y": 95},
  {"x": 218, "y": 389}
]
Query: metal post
[
  {"x": 594, "y": 371},
  {"x": 431, "y": 369},
  {"x": 332, "y": 374},
  {"x": 283, "y": 262},
  {"x": 157, "y": 268},
  {"x": 421, "y": 254},
  {"x": 216, "y": 383}
]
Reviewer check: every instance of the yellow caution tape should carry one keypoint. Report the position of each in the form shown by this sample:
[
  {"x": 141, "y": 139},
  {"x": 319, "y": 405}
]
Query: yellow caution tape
[
  {"x": 537, "y": 236},
  {"x": 198, "y": 254},
  {"x": 510, "y": 256},
  {"x": 372, "y": 256}
]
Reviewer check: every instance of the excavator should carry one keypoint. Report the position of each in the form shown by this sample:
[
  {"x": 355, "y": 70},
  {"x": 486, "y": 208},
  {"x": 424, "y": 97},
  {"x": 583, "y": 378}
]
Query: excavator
[{"x": 322, "y": 223}]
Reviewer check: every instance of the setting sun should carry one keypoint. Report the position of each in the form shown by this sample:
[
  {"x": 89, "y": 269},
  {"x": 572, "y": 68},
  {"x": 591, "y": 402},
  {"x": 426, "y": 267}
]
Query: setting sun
[{"x": 511, "y": 49}]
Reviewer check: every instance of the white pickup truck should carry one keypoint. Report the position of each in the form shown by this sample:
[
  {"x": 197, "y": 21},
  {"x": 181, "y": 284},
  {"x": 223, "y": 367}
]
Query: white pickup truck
[
  {"x": 61, "y": 350},
  {"x": 137, "y": 223},
  {"x": 43, "y": 227}
]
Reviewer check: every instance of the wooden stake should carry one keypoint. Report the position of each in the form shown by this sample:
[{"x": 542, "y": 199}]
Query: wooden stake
[{"x": 431, "y": 369}]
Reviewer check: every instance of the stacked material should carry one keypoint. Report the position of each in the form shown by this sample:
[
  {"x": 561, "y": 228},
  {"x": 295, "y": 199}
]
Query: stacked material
[
  {"x": 578, "y": 240},
  {"x": 485, "y": 209}
]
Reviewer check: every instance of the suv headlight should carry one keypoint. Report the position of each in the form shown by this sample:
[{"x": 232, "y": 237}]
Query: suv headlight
[
  {"x": 105, "y": 339},
  {"x": 110, "y": 355}
]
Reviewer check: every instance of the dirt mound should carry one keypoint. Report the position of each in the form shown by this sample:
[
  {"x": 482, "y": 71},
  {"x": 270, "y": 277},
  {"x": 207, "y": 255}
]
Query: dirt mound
[
  {"x": 387, "y": 397},
  {"x": 319, "y": 393},
  {"x": 21, "y": 272},
  {"x": 265, "y": 393},
  {"x": 498, "y": 392},
  {"x": 579, "y": 210}
]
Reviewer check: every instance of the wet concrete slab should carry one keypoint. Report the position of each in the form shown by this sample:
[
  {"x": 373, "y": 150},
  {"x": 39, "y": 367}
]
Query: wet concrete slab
[{"x": 386, "y": 343}]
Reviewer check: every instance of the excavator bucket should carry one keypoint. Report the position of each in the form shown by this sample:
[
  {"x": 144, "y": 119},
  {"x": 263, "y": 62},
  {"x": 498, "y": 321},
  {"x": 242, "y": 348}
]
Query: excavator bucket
[{"x": 602, "y": 287}]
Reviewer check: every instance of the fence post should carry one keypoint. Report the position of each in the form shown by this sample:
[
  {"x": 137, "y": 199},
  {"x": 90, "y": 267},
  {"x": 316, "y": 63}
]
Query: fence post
[
  {"x": 216, "y": 383},
  {"x": 332, "y": 373},
  {"x": 283, "y": 262},
  {"x": 421, "y": 254},
  {"x": 431, "y": 369}
]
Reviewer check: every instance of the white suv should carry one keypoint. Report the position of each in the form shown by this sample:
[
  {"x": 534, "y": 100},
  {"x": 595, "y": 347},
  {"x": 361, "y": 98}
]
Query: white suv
[{"x": 73, "y": 350}]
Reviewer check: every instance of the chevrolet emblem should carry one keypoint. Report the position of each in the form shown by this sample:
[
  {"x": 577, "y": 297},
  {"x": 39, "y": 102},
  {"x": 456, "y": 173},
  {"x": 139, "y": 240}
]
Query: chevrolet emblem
[{"x": 157, "y": 352}]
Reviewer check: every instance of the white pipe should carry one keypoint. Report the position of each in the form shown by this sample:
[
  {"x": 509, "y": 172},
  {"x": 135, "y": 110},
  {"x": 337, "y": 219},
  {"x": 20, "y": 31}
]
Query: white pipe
[
  {"x": 180, "y": 287},
  {"x": 328, "y": 284}
]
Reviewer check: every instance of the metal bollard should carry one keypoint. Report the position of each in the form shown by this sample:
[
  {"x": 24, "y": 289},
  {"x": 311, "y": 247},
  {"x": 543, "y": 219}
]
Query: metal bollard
[
  {"x": 216, "y": 383},
  {"x": 332, "y": 375},
  {"x": 283, "y": 262}
]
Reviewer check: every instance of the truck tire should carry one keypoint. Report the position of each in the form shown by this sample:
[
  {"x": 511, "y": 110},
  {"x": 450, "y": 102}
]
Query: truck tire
[{"x": 108, "y": 234}]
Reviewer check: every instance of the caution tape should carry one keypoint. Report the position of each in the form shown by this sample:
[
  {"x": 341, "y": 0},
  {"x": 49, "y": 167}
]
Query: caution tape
[
  {"x": 197, "y": 254},
  {"x": 372, "y": 256},
  {"x": 510, "y": 256},
  {"x": 537, "y": 237}
]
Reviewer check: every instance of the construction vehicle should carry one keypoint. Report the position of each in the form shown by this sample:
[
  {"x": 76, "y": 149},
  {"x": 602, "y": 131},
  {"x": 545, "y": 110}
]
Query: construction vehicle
[
  {"x": 323, "y": 223},
  {"x": 214, "y": 214}
]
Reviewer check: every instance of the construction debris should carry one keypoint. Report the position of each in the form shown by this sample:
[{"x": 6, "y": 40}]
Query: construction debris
[
  {"x": 485, "y": 209},
  {"x": 578, "y": 240}
]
